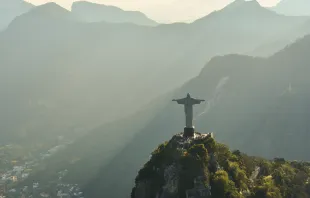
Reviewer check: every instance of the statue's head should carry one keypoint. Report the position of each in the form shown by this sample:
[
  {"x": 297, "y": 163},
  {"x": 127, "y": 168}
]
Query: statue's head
[{"x": 188, "y": 95}]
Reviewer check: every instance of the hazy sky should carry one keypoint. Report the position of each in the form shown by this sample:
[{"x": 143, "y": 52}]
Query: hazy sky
[{"x": 164, "y": 10}]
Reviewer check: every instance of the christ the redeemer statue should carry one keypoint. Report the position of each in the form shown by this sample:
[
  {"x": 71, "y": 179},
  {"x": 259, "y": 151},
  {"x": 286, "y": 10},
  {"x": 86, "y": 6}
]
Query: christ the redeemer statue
[{"x": 188, "y": 103}]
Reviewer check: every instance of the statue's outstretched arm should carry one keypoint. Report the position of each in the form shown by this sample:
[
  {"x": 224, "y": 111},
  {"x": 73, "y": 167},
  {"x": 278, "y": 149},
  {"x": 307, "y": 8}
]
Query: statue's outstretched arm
[
  {"x": 180, "y": 101},
  {"x": 198, "y": 101}
]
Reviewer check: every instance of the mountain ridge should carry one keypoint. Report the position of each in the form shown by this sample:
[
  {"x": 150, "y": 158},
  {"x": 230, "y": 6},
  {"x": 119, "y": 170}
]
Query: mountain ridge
[
  {"x": 92, "y": 12},
  {"x": 49, "y": 9}
]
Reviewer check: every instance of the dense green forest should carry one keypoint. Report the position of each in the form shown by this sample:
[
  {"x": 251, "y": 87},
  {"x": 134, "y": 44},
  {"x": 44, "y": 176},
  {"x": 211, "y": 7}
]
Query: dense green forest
[{"x": 229, "y": 173}]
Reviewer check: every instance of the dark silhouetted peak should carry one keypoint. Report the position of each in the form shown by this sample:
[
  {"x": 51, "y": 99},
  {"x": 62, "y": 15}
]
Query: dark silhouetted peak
[{"x": 92, "y": 12}]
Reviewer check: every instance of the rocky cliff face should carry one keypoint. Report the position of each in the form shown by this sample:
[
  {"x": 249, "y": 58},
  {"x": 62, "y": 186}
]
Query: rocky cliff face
[
  {"x": 199, "y": 167},
  {"x": 177, "y": 168}
]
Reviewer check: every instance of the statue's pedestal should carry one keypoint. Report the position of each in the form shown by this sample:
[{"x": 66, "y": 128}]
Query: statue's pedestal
[{"x": 189, "y": 131}]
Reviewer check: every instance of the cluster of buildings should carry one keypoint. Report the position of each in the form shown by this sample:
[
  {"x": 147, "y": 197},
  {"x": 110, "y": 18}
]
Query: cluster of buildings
[
  {"x": 8, "y": 179},
  {"x": 36, "y": 190},
  {"x": 18, "y": 173},
  {"x": 69, "y": 191}
]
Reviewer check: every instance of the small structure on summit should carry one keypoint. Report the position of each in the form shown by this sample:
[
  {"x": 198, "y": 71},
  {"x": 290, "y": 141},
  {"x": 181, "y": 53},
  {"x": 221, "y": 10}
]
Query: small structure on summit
[{"x": 188, "y": 103}]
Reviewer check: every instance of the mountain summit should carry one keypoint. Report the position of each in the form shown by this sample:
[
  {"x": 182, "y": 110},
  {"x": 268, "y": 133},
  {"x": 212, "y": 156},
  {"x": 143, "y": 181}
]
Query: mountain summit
[
  {"x": 244, "y": 14},
  {"x": 50, "y": 9},
  {"x": 246, "y": 7},
  {"x": 48, "y": 15},
  {"x": 240, "y": 4},
  {"x": 200, "y": 167},
  {"x": 92, "y": 12}
]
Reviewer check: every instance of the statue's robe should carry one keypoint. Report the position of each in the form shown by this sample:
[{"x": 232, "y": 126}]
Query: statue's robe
[{"x": 188, "y": 103}]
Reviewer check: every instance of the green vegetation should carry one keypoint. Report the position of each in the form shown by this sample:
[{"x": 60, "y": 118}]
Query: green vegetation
[
  {"x": 222, "y": 186},
  {"x": 237, "y": 175}
]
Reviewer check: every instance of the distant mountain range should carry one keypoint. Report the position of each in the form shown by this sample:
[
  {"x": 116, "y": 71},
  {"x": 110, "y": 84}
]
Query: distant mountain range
[
  {"x": 81, "y": 11},
  {"x": 69, "y": 67},
  {"x": 245, "y": 95},
  {"x": 9, "y": 9},
  {"x": 91, "y": 12},
  {"x": 293, "y": 7}
]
